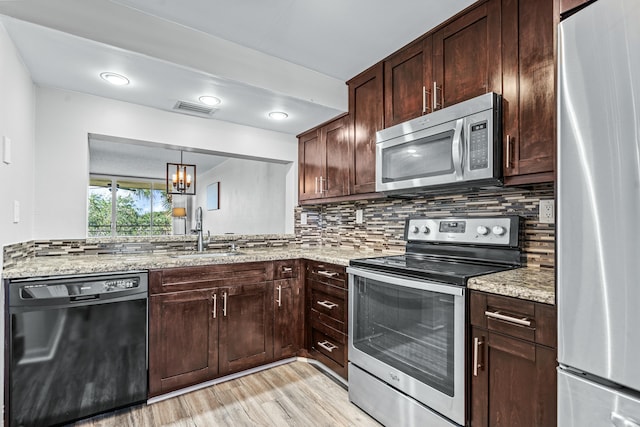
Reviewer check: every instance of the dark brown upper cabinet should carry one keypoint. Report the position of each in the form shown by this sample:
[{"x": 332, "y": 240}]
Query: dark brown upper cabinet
[
  {"x": 466, "y": 56},
  {"x": 407, "y": 83},
  {"x": 324, "y": 159},
  {"x": 367, "y": 117},
  {"x": 457, "y": 62},
  {"x": 529, "y": 87}
]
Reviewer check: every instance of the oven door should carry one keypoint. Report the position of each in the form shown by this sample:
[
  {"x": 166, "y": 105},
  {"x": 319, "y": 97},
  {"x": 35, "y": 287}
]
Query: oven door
[{"x": 410, "y": 334}]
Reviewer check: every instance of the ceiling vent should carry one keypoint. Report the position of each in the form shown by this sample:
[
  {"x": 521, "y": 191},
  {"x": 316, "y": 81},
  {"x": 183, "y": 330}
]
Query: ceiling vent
[{"x": 194, "y": 109}]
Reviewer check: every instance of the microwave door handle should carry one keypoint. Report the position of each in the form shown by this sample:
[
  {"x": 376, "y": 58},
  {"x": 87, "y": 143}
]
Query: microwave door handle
[{"x": 456, "y": 149}]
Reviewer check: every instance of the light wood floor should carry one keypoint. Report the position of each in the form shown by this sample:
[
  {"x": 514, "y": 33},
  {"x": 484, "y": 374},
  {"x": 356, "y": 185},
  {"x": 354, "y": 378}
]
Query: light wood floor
[{"x": 295, "y": 394}]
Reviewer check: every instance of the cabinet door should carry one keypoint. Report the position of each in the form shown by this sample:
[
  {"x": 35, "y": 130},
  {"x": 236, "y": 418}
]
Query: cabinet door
[
  {"x": 515, "y": 383},
  {"x": 183, "y": 340},
  {"x": 529, "y": 101},
  {"x": 467, "y": 55},
  {"x": 287, "y": 319},
  {"x": 407, "y": 83},
  {"x": 310, "y": 165},
  {"x": 366, "y": 111},
  {"x": 246, "y": 326},
  {"x": 335, "y": 177}
]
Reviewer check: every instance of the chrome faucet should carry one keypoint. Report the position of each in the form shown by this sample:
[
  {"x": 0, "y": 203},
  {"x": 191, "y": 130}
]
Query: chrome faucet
[{"x": 198, "y": 229}]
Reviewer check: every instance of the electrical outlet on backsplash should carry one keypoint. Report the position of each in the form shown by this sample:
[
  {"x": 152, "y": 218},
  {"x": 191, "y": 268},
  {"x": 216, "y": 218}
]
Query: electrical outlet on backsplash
[{"x": 334, "y": 224}]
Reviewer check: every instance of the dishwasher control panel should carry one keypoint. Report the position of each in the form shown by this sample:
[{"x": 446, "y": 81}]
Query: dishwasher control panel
[{"x": 76, "y": 288}]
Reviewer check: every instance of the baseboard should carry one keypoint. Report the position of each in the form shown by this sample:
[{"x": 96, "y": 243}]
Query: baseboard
[{"x": 241, "y": 374}]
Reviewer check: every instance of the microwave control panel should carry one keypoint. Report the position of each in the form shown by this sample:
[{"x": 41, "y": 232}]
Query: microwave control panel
[{"x": 479, "y": 146}]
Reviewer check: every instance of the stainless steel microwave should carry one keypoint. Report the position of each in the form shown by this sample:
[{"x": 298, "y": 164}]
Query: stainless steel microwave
[{"x": 460, "y": 145}]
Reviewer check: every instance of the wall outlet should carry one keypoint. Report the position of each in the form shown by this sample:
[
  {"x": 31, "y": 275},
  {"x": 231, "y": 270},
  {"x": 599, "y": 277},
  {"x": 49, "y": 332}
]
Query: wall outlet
[
  {"x": 359, "y": 216},
  {"x": 303, "y": 218},
  {"x": 546, "y": 214}
]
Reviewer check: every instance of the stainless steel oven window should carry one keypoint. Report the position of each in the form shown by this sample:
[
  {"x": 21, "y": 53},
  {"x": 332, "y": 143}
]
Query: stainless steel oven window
[
  {"x": 419, "y": 158},
  {"x": 411, "y": 330}
]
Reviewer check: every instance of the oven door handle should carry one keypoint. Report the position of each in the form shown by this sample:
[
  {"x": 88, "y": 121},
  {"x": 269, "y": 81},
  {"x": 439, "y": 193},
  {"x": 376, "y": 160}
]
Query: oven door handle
[
  {"x": 457, "y": 151},
  {"x": 407, "y": 282}
]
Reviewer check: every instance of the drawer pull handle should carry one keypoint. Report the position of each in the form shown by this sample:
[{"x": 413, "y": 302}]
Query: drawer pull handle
[
  {"x": 287, "y": 269},
  {"x": 214, "y": 297},
  {"x": 327, "y": 273},
  {"x": 327, "y": 304},
  {"x": 327, "y": 346},
  {"x": 279, "y": 300},
  {"x": 497, "y": 315}
]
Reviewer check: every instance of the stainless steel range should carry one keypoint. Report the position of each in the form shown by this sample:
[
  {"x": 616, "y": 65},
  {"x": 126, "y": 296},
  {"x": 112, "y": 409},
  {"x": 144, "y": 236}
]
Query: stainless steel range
[{"x": 408, "y": 318}]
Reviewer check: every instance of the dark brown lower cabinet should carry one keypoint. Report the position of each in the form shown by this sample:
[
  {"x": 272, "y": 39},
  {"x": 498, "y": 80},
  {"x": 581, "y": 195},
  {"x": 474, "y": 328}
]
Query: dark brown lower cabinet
[
  {"x": 210, "y": 321},
  {"x": 326, "y": 315},
  {"x": 288, "y": 309},
  {"x": 245, "y": 327},
  {"x": 513, "y": 379},
  {"x": 183, "y": 340}
]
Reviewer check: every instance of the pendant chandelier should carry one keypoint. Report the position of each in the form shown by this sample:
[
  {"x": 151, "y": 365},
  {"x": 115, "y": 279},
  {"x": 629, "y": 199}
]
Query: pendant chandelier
[{"x": 181, "y": 178}]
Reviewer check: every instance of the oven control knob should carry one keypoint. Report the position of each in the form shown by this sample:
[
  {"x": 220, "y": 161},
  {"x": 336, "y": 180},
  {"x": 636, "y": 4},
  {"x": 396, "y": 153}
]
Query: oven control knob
[
  {"x": 498, "y": 230},
  {"x": 415, "y": 229},
  {"x": 482, "y": 230},
  {"x": 425, "y": 229}
]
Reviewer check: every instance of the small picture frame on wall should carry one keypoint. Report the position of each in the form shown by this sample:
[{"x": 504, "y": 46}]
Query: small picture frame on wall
[{"x": 213, "y": 196}]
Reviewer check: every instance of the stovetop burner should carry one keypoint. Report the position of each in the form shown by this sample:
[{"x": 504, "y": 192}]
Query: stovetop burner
[{"x": 452, "y": 250}]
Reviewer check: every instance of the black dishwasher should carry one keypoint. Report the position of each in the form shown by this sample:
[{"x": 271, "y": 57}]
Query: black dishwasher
[{"x": 77, "y": 346}]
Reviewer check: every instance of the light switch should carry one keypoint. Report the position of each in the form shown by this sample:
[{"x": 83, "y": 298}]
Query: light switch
[
  {"x": 16, "y": 211},
  {"x": 359, "y": 216},
  {"x": 6, "y": 149},
  {"x": 303, "y": 218}
]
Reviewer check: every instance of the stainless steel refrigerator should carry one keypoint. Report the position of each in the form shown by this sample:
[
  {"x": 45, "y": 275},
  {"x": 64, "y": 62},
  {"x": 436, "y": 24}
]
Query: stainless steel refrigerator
[{"x": 598, "y": 225}]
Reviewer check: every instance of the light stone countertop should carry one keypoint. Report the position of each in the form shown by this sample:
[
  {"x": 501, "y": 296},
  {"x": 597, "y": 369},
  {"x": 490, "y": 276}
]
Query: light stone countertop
[
  {"x": 44, "y": 266},
  {"x": 533, "y": 284}
]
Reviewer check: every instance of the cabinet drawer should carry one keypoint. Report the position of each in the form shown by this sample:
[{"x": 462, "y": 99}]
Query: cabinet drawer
[
  {"x": 517, "y": 318},
  {"x": 331, "y": 274},
  {"x": 332, "y": 344},
  {"x": 329, "y": 301},
  {"x": 286, "y": 269},
  {"x": 329, "y": 321},
  {"x": 209, "y": 276}
]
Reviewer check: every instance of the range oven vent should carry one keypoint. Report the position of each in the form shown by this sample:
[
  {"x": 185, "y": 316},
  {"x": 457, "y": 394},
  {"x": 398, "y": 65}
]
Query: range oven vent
[{"x": 194, "y": 109}]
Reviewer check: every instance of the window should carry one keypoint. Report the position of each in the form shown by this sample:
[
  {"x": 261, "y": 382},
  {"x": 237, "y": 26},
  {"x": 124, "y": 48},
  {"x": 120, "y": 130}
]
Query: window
[{"x": 138, "y": 207}]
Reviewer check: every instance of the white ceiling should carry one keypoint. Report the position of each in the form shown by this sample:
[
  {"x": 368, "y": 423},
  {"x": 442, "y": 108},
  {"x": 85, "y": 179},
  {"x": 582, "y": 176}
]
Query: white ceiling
[{"x": 256, "y": 55}]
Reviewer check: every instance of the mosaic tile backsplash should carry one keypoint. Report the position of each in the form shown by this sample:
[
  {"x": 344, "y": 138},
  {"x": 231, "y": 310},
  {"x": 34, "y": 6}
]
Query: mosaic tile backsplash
[
  {"x": 383, "y": 225},
  {"x": 334, "y": 225},
  {"x": 129, "y": 245}
]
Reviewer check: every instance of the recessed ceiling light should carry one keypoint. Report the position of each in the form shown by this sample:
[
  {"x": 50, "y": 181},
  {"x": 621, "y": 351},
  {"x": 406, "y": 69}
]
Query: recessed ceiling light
[
  {"x": 278, "y": 115},
  {"x": 210, "y": 100},
  {"x": 115, "y": 79}
]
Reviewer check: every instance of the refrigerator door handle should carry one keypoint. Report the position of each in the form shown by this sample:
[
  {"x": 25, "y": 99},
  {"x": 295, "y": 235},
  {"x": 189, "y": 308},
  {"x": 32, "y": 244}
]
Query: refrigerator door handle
[{"x": 621, "y": 421}]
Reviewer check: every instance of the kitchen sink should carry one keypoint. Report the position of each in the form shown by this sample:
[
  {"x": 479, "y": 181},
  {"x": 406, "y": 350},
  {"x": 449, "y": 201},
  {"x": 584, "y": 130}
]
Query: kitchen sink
[{"x": 209, "y": 254}]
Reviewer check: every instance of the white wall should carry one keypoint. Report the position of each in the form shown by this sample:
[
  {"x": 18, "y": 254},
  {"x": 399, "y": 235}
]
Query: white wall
[
  {"x": 251, "y": 197},
  {"x": 64, "y": 119},
  {"x": 17, "y": 118}
]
